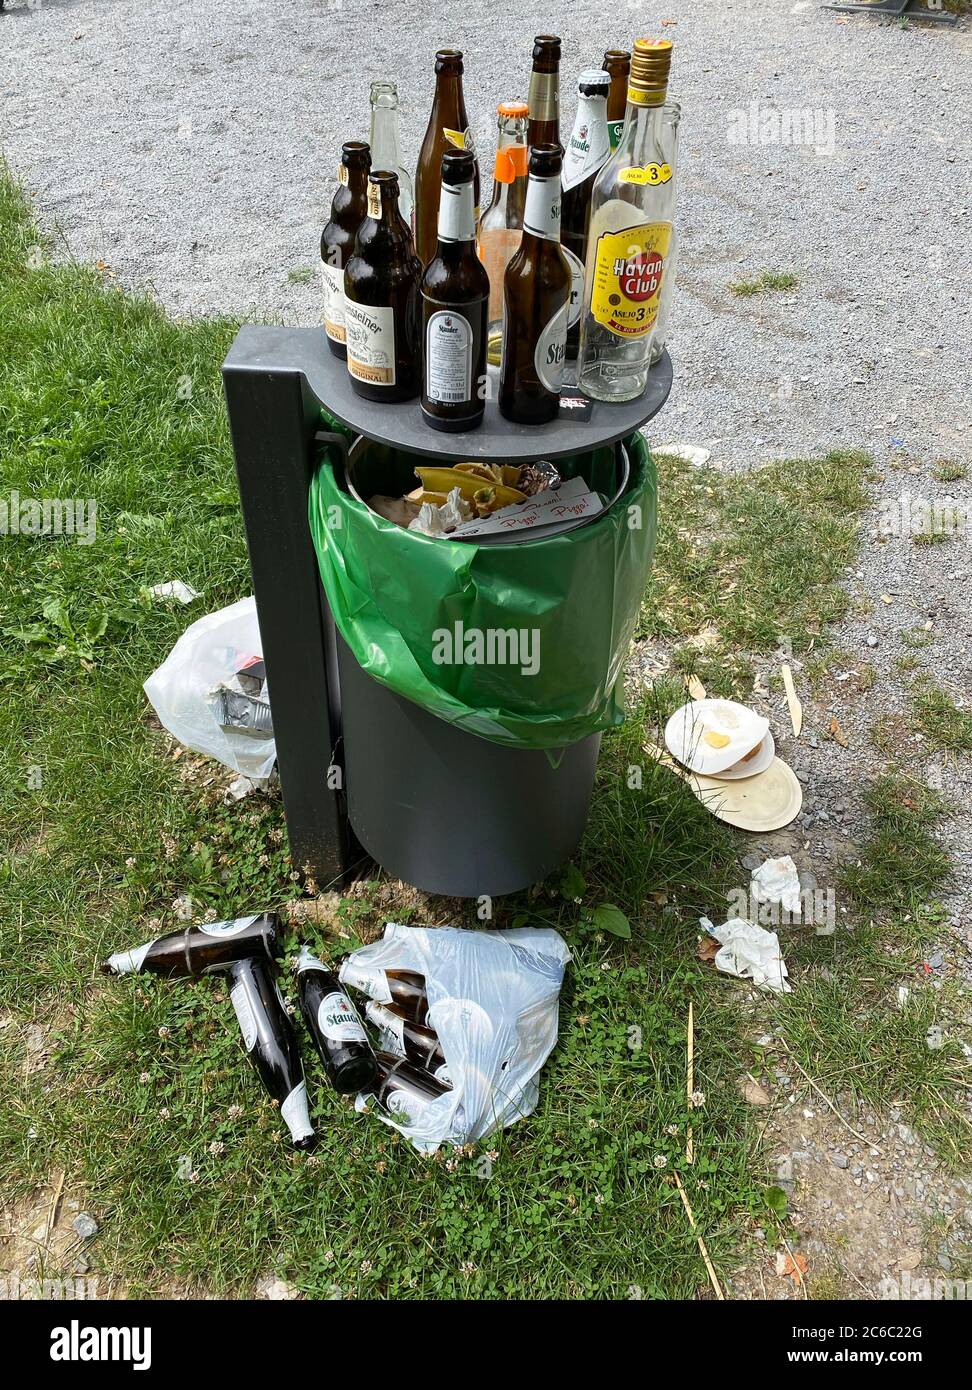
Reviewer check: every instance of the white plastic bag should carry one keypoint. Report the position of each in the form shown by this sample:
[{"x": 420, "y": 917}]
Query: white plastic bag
[
  {"x": 181, "y": 691},
  {"x": 493, "y": 1001}
]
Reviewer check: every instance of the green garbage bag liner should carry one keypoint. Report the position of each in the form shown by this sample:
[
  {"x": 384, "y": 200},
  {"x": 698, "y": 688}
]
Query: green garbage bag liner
[{"x": 572, "y": 602}]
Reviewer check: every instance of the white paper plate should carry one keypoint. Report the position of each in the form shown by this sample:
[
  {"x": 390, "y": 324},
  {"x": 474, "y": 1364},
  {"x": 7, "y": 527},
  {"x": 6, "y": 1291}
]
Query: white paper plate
[
  {"x": 759, "y": 762},
  {"x": 690, "y": 732}
]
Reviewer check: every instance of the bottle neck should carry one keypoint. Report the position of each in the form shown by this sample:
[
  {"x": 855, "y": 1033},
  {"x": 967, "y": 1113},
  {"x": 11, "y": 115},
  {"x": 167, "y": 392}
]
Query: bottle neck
[
  {"x": 589, "y": 144},
  {"x": 457, "y": 214},
  {"x": 643, "y": 128},
  {"x": 388, "y": 222},
  {"x": 542, "y": 215},
  {"x": 385, "y": 149},
  {"x": 448, "y": 108}
]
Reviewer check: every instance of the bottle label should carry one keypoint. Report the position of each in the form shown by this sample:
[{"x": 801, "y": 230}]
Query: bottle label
[
  {"x": 448, "y": 358},
  {"x": 441, "y": 1075},
  {"x": 129, "y": 962},
  {"x": 644, "y": 96},
  {"x": 391, "y": 1024},
  {"x": 343, "y": 174},
  {"x": 332, "y": 282},
  {"x": 295, "y": 1114},
  {"x": 244, "y": 1015},
  {"x": 370, "y": 332},
  {"x": 374, "y": 201},
  {"x": 551, "y": 349},
  {"x": 338, "y": 1020},
  {"x": 627, "y": 278},
  {"x": 512, "y": 162},
  {"x": 576, "y": 301},
  {"x": 589, "y": 144},
  {"x": 542, "y": 214},
  {"x": 649, "y": 174},
  {"x": 372, "y": 982},
  {"x": 231, "y": 928},
  {"x": 544, "y": 96},
  {"x": 462, "y": 139},
  {"x": 457, "y": 218},
  {"x": 615, "y": 131}
]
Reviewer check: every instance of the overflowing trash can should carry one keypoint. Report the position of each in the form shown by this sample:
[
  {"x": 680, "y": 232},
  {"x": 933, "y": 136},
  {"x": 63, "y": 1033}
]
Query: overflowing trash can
[{"x": 477, "y": 676}]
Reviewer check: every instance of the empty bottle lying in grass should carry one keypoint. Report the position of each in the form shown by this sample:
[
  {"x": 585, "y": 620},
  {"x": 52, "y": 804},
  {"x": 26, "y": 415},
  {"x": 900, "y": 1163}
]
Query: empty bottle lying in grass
[
  {"x": 335, "y": 1026},
  {"x": 271, "y": 1044},
  {"x": 201, "y": 949}
]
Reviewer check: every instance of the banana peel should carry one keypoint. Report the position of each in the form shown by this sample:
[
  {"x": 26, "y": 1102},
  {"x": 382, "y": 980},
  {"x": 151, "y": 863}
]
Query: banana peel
[
  {"x": 420, "y": 494},
  {"x": 469, "y": 483}
]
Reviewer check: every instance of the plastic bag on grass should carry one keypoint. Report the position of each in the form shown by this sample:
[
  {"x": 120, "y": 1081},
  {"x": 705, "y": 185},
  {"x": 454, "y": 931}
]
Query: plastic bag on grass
[
  {"x": 493, "y": 1001},
  {"x": 200, "y": 698}
]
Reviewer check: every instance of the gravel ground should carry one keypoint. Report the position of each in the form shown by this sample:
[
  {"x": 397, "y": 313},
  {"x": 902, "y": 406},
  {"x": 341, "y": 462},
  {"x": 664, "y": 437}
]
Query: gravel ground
[{"x": 191, "y": 148}]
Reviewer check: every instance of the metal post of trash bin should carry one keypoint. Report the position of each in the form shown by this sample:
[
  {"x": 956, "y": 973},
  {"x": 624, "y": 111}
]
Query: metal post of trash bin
[{"x": 276, "y": 381}]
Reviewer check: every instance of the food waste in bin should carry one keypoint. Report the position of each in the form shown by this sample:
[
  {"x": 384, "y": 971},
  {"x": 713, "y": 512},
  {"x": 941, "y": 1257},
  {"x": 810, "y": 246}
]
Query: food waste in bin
[{"x": 447, "y": 498}]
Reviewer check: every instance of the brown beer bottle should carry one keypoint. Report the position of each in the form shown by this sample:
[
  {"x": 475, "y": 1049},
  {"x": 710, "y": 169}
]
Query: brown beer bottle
[
  {"x": 404, "y": 1089},
  {"x": 617, "y": 63},
  {"x": 348, "y": 211},
  {"x": 587, "y": 149},
  {"x": 335, "y": 1026},
  {"x": 382, "y": 302},
  {"x": 405, "y": 988},
  {"x": 455, "y": 307},
  {"x": 201, "y": 949},
  {"x": 536, "y": 301},
  {"x": 270, "y": 1043},
  {"x": 448, "y": 128},
  {"x": 544, "y": 94},
  {"x": 416, "y": 1041}
]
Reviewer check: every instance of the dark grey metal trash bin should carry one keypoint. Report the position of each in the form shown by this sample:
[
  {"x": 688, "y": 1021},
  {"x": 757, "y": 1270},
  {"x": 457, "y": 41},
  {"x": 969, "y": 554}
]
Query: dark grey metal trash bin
[{"x": 438, "y": 807}]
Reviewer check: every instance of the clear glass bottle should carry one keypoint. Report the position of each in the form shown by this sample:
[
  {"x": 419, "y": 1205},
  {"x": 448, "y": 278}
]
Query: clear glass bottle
[
  {"x": 385, "y": 144},
  {"x": 501, "y": 225},
  {"x": 630, "y": 239},
  {"x": 671, "y": 118}
]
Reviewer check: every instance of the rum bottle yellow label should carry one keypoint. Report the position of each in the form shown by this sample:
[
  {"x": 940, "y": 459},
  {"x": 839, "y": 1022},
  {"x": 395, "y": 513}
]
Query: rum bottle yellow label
[{"x": 628, "y": 269}]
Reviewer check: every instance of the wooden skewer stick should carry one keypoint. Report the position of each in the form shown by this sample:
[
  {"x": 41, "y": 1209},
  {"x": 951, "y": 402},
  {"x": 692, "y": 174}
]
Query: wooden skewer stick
[
  {"x": 713, "y": 1277},
  {"x": 690, "y": 1081}
]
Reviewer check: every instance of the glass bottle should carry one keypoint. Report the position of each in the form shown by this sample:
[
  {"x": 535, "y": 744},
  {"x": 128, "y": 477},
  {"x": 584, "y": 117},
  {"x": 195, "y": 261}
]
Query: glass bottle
[
  {"x": 544, "y": 94},
  {"x": 617, "y": 64},
  {"x": 448, "y": 128},
  {"x": 630, "y": 239},
  {"x": 671, "y": 119},
  {"x": 382, "y": 301},
  {"x": 348, "y": 211},
  {"x": 587, "y": 149},
  {"x": 501, "y": 225},
  {"x": 536, "y": 301},
  {"x": 386, "y": 150},
  {"x": 334, "y": 1024},
  {"x": 455, "y": 304}
]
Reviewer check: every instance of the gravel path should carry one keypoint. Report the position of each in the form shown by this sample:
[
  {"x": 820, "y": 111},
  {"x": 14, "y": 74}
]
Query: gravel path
[{"x": 191, "y": 147}]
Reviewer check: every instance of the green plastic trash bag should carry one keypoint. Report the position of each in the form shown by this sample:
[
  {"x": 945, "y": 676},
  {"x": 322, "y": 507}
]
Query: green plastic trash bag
[{"x": 545, "y": 625}]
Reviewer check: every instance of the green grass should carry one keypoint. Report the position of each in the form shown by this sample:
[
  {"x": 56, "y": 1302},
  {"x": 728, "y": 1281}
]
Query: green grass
[
  {"x": 766, "y": 280},
  {"x": 950, "y": 471},
  {"x": 945, "y": 726},
  {"x": 755, "y": 558}
]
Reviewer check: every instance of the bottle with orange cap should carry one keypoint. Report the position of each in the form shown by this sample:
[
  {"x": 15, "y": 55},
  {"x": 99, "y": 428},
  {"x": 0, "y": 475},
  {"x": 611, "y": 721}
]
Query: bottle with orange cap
[
  {"x": 630, "y": 237},
  {"x": 501, "y": 225}
]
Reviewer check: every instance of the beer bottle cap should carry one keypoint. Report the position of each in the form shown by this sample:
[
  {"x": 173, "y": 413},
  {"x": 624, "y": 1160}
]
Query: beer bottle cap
[
  {"x": 512, "y": 108},
  {"x": 593, "y": 81}
]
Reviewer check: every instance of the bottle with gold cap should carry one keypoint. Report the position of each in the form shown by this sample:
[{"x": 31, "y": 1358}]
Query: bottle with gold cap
[
  {"x": 630, "y": 238},
  {"x": 501, "y": 225},
  {"x": 617, "y": 64}
]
